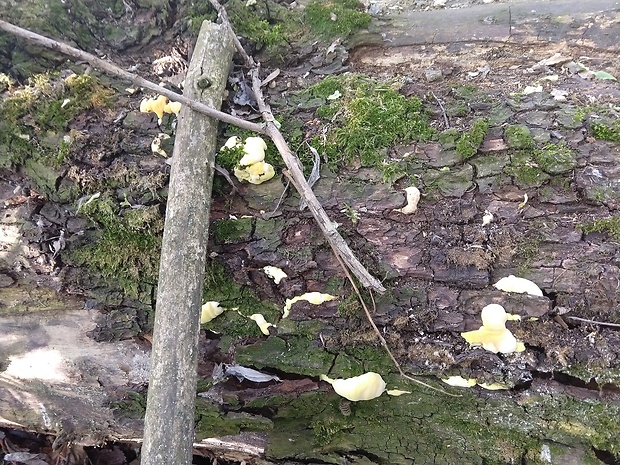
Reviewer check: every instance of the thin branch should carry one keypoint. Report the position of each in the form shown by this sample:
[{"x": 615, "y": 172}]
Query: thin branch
[
  {"x": 443, "y": 110},
  {"x": 601, "y": 323},
  {"x": 114, "y": 70}
]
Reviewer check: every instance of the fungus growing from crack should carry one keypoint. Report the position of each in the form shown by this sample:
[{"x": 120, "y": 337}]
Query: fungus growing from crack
[
  {"x": 315, "y": 298},
  {"x": 363, "y": 387},
  {"x": 275, "y": 273},
  {"x": 519, "y": 285},
  {"x": 493, "y": 334},
  {"x": 487, "y": 218},
  {"x": 262, "y": 323},
  {"x": 459, "y": 381},
  {"x": 413, "y": 197},
  {"x": 209, "y": 311}
]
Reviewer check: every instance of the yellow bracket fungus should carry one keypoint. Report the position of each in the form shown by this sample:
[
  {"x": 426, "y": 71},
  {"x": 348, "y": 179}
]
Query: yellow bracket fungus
[
  {"x": 413, "y": 197},
  {"x": 231, "y": 143},
  {"x": 459, "y": 381},
  {"x": 493, "y": 334},
  {"x": 254, "y": 151},
  {"x": 363, "y": 387},
  {"x": 519, "y": 285},
  {"x": 262, "y": 323},
  {"x": 315, "y": 298},
  {"x": 209, "y": 311},
  {"x": 275, "y": 273},
  {"x": 159, "y": 106},
  {"x": 256, "y": 173}
]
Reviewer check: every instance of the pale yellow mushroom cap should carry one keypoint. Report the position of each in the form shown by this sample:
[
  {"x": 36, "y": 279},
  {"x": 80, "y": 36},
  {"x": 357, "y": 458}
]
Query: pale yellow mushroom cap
[
  {"x": 158, "y": 105},
  {"x": 145, "y": 105},
  {"x": 254, "y": 149},
  {"x": 263, "y": 324},
  {"x": 493, "y": 334},
  {"x": 209, "y": 311},
  {"x": 173, "y": 107},
  {"x": 231, "y": 143},
  {"x": 364, "y": 387},
  {"x": 519, "y": 285}
]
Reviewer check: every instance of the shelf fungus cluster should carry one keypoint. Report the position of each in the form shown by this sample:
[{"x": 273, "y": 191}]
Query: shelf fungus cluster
[
  {"x": 493, "y": 334},
  {"x": 159, "y": 106},
  {"x": 252, "y": 166},
  {"x": 364, "y": 387}
]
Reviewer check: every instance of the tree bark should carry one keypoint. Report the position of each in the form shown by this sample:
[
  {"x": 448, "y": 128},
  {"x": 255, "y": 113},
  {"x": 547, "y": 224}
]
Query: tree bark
[{"x": 169, "y": 423}]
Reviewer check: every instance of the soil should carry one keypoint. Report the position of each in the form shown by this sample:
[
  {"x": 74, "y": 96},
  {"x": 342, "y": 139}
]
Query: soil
[{"x": 552, "y": 223}]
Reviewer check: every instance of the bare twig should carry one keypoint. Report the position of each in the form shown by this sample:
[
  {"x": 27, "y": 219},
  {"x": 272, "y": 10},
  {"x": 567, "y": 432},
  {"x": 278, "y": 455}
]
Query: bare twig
[
  {"x": 443, "y": 110},
  {"x": 296, "y": 175},
  {"x": 114, "y": 70},
  {"x": 594, "y": 322}
]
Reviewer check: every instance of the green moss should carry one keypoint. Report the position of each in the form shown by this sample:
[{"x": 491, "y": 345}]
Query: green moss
[
  {"x": 468, "y": 144},
  {"x": 519, "y": 137},
  {"x": 132, "y": 405},
  {"x": 368, "y": 118},
  {"x": 233, "y": 231},
  {"x": 555, "y": 158},
  {"x": 610, "y": 132},
  {"x": 211, "y": 422},
  {"x": 221, "y": 287},
  {"x": 524, "y": 169},
  {"x": 335, "y": 18},
  {"x": 126, "y": 250},
  {"x": 36, "y": 118},
  {"x": 350, "y": 307},
  {"x": 610, "y": 226}
]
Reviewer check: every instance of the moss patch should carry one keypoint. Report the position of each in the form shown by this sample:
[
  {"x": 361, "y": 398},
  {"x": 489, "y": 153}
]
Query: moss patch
[
  {"x": 555, "y": 158},
  {"x": 335, "y": 18},
  {"x": 610, "y": 226},
  {"x": 35, "y": 124},
  {"x": 468, "y": 144},
  {"x": 519, "y": 137},
  {"x": 127, "y": 246},
  {"x": 367, "y": 118}
]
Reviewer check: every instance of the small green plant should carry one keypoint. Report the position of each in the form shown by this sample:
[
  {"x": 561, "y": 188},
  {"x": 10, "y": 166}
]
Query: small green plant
[
  {"x": 468, "y": 144},
  {"x": 335, "y": 18},
  {"x": 610, "y": 226},
  {"x": 555, "y": 158},
  {"x": 609, "y": 132}
]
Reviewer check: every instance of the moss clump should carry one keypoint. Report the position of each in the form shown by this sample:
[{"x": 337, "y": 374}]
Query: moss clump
[
  {"x": 519, "y": 137},
  {"x": 555, "y": 158},
  {"x": 468, "y": 144},
  {"x": 524, "y": 170},
  {"x": 610, "y": 226},
  {"x": 369, "y": 117},
  {"x": 609, "y": 132},
  {"x": 127, "y": 249},
  {"x": 36, "y": 118},
  {"x": 335, "y": 18}
]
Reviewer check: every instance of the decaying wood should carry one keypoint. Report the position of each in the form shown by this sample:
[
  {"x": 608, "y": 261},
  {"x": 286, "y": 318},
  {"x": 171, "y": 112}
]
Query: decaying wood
[
  {"x": 332, "y": 235},
  {"x": 169, "y": 422}
]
